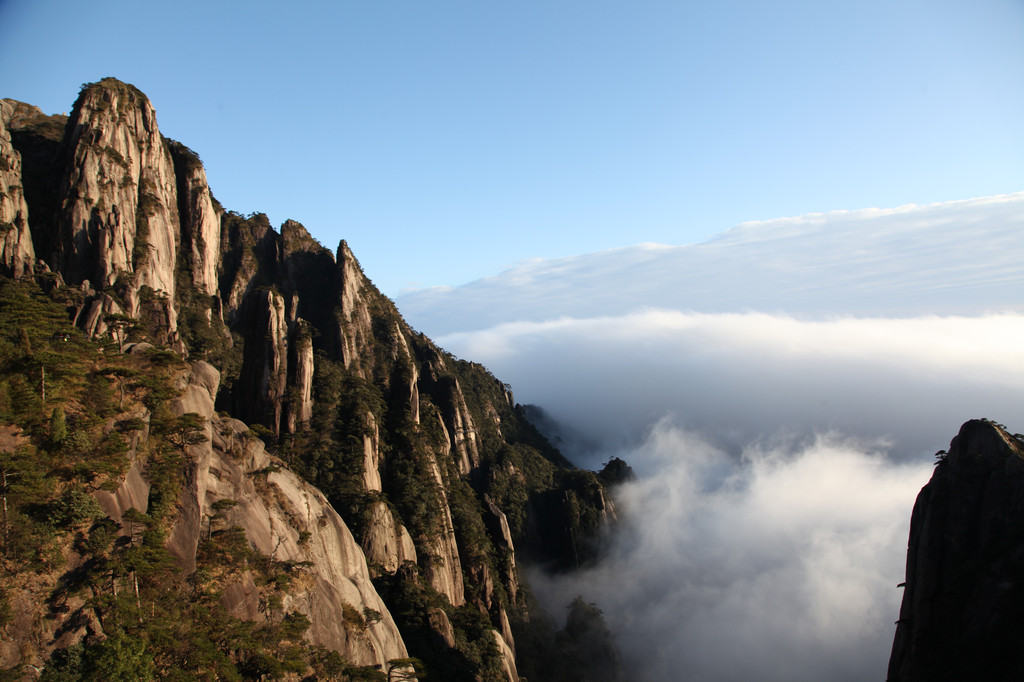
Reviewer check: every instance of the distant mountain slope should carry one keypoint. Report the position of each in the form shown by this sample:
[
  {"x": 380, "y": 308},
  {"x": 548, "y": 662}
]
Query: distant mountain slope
[{"x": 951, "y": 258}]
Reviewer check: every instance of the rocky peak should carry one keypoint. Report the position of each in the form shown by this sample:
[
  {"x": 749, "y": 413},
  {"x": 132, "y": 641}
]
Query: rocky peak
[
  {"x": 120, "y": 197},
  {"x": 354, "y": 324},
  {"x": 963, "y": 595}
]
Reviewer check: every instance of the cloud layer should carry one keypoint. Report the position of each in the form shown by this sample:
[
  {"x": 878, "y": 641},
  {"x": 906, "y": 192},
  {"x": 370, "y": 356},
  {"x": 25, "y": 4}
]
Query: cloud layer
[
  {"x": 737, "y": 378},
  {"x": 954, "y": 258}
]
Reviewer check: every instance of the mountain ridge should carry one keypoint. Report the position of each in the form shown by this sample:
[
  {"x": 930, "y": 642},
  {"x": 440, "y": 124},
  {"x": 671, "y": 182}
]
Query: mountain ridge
[{"x": 252, "y": 365}]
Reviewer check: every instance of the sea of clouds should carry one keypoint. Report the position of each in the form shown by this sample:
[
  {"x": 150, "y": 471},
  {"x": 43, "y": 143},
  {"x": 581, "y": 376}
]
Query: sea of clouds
[
  {"x": 784, "y": 568},
  {"x": 780, "y": 390}
]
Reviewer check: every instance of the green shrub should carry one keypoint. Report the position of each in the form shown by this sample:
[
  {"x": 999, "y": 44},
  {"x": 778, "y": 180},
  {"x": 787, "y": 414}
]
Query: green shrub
[{"x": 73, "y": 507}]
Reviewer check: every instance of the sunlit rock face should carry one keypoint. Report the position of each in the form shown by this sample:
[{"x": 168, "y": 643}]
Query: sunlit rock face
[
  {"x": 116, "y": 204},
  {"x": 17, "y": 255},
  {"x": 321, "y": 412},
  {"x": 200, "y": 219},
  {"x": 285, "y": 519},
  {"x": 964, "y": 593},
  {"x": 119, "y": 202},
  {"x": 387, "y": 543}
]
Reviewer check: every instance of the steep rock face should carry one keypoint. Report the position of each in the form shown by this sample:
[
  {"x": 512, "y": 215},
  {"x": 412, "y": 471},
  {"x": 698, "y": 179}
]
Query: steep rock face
[
  {"x": 248, "y": 249},
  {"x": 371, "y": 455},
  {"x": 17, "y": 255},
  {"x": 387, "y": 543},
  {"x": 438, "y": 622},
  {"x": 500, "y": 529},
  {"x": 276, "y": 291},
  {"x": 463, "y": 431},
  {"x": 200, "y": 219},
  {"x": 307, "y": 273},
  {"x": 38, "y": 138},
  {"x": 119, "y": 200},
  {"x": 508, "y": 658},
  {"x": 133, "y": 493},
  {"x": 285, "y": 519},
  {"x": 300, "y": 409},
  {"x": 354, "y": 326},
  {"x": 264, "y": 373},
  {"x": 441, "y": 564},
  {"x": 457, "y": 421},
  {"x": 964, "y": 594},
  {"x": 403, "y": 355}
]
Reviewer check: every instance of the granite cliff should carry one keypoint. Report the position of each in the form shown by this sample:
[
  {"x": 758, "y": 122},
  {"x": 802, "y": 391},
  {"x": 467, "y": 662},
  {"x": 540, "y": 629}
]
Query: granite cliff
[
  {"x": 243, "y": 424},
  {"x": 963, "y": 596}
]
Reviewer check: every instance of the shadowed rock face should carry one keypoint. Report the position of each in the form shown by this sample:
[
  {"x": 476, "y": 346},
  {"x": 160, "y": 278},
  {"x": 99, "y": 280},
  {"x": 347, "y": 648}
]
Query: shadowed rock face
[{"x": 961, "y": 616}]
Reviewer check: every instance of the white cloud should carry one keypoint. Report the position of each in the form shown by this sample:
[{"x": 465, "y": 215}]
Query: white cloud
[
  {"x": 753, "y": 546},
  {"x": 954, "y": 258},
  {"x": 780, "y": 567},
  {"x": 740, "y": 377}
]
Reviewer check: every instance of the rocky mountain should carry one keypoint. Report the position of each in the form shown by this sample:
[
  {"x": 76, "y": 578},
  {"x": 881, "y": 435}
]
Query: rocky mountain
[
  {"x": 963, "y": 597},
  {"x": 226, "y": 455}
]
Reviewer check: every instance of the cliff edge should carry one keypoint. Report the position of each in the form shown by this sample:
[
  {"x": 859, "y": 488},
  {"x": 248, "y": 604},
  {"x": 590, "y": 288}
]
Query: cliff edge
[{"x": 961, "y": 616}]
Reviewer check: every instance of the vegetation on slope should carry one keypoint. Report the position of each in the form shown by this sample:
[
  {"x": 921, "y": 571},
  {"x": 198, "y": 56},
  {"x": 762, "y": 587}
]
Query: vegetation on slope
[{"x": 74, "y": 413}]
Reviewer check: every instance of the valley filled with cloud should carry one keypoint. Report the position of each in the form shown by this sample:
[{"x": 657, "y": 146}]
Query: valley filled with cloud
[
  {"x": 782, "y": 567},
  {"x": 780, "y": 390}
]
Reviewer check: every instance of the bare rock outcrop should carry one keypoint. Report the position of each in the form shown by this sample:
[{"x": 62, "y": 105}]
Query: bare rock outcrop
[
  {"x": 371, "y": 455},
  {"x": 439, "y": 624},
  {"x": 17, "y": 254},
  {"x": 96, "y": 308},
  {"x": 439, "y": 555},
  {"x": 264, "y": 376},
  {"x": 386, "y": 542},
  {"x": 964, "y": 591},
  {"x": 412, "y": 376},
  {"x": 200, "y": 219},
  {"x": 119, "y": 203},
  {"x": 462, "y": 430},
  {"x": 508, "y": 658},
  {"x": 500, "y": 530},
  {"x": 286, "y": 519},
  {"x": 300, "y": 408},
  {"x": 133, "y": 492},
  {"x": 355, "y": 328},
  {"x": 248, "y": 249},
  {"x": 424, "y": 453}
]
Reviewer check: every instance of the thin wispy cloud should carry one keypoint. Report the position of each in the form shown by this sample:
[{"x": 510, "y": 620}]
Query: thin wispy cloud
[{"x": 952, "y": 258}]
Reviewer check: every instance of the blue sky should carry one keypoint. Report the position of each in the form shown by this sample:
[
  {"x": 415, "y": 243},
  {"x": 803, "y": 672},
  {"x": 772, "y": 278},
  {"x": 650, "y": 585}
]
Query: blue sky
[{"x": 448, "y": 140}]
